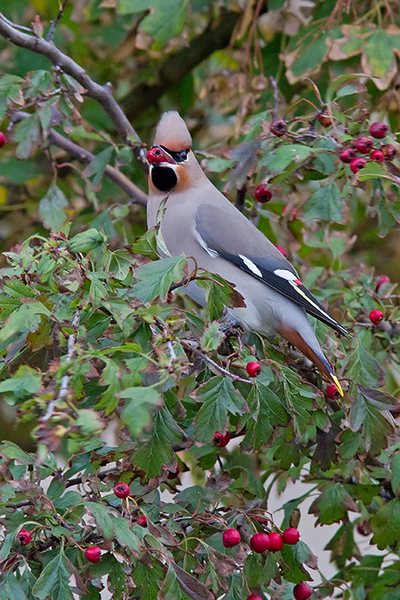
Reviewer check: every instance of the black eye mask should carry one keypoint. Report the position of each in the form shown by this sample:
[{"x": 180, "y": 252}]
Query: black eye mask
[{"x": 180, "y": 156}]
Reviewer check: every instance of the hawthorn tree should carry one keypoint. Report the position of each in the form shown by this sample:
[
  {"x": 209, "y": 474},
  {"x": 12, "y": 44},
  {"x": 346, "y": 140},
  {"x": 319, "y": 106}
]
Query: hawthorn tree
[{"x": 114, "y": 386}]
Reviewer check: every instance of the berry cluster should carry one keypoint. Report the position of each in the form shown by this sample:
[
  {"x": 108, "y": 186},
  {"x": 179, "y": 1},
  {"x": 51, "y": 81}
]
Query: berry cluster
[
  {"x": 271, "y": 542},
  {"x": 365, "y": 145}
]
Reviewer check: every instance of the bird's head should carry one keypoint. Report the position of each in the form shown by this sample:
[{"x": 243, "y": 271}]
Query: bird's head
[{"x": 173, "y": 165}]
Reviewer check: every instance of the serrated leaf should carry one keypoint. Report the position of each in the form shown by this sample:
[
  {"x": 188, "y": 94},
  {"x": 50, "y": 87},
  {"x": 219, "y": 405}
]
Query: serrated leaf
[
  {"x": 87, "y": 240},
  {"x": 103, "y": 517},
  {"x": 364, "y": 369},
  {"x": 166, "y": 21},
  {"x": 54, "y": 580},
  {"x": 278, "y": 160},
  {"x": 121, "y": 263},
  {"x": 10, "y": 587},
  {"x": 155, "y": 278},
  {"x": 385, "y": 525},
  {"x": 124, "y": 533},
  {"x": 141, "y": 403},
  {"x": 170, "y": 589},
  {"x": 212, "y": 337},
  {"x": 326, "y": 203},
  {"x": 27, "y": 134},
  {"x": 332, "y": 504},
  {"x": 218, "y": 397},
  {"x": 266, "y": 411},
  {"x": 51, "y": 208},
  {"x": 26, "y": 317}
]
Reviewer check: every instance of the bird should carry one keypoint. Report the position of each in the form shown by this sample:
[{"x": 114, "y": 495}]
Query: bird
[{"x": 195, "y": 219}]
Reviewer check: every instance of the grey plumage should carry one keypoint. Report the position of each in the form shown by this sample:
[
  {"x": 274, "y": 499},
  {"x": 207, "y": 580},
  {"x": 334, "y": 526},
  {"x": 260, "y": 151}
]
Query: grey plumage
[{"x": 199, "y": 221}]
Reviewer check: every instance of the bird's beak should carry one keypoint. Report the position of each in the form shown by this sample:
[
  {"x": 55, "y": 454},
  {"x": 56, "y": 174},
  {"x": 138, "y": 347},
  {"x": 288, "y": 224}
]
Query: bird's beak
[{"x": 156, "y": 154}]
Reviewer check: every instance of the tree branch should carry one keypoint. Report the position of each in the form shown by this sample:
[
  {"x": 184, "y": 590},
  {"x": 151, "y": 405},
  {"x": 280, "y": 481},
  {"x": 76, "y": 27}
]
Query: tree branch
[
  {"x": 180, "y": 64},
  {"x": 101, "y": 93},
  {"x": 84, "y": 156}
]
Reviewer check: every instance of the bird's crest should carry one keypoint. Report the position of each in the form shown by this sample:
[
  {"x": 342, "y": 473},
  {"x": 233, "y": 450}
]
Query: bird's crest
[{"x": 172, "y": 132}]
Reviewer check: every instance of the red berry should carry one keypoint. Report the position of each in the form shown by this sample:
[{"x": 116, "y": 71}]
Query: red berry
[
  {"x": 381, "y": 280},
  {"x": 230, "y": 538},
  {"x": 347, "y": 155},
  {"x": 155, "y": 155},
  {"x": 221, "y": 439},
  {"x": 281, "y": 250},
  {"x": 93, "y": 554},
  {"x": 389, "y": 151},
  {"x": 254, "y": 597},
  {"x": 121, "y": 490},
  {"x": 357, "y": 164},
  {"x": 253, "y": 369},
  {"x": 291, "y": 536},
  {"x": 174, "y": 474},
  {"x": 376, "y": 316},
  {"x": 378, "y": 130},
  {"x": 3, "y": 140},
  {"x": 332, "y": 392},
  {"x": 302, "y": 591},
  {"x": 278, "y": 127},
  {"x": 325, "y": 119},
  {"x": 275, "y": 540},
  {"x": 142, "y": 521},
  {"x": 259, "y": 542},
  {"x": 364, "y": 144},
  {"x": 24, "y": 537},
  {"x": 263, "y": 194},
  {"x": 377, "y": 155}
]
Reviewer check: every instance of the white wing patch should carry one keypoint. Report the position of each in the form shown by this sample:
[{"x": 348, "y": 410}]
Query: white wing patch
[
  {"x": 285, "y": 274},
  {"x": 250, "y": 265}
]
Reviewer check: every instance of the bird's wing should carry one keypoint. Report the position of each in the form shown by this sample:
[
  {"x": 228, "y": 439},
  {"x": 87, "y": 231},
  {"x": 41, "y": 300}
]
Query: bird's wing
[{"x": 231, "y": 236}]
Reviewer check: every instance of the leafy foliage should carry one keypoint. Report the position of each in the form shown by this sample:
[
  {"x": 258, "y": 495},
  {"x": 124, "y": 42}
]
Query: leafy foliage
[{"x": 112, "y": 375}]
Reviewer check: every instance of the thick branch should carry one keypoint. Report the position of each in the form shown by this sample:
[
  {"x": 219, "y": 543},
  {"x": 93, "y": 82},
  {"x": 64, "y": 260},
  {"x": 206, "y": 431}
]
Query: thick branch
[
  {"x": 84, "y": 156},
  {"x": 180, "y": 64},
  {"x": 101, "y": 93}
]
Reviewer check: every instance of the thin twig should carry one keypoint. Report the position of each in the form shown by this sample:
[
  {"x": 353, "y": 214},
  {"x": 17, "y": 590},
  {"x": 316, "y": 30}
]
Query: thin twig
[
  {"x": 65, "y": 380},
  {"x": 84, "y": 156},
  {"x": 203, "y": 356},
  {"x": 101, "y": 93},
  {"x": 52, "y": 29}
]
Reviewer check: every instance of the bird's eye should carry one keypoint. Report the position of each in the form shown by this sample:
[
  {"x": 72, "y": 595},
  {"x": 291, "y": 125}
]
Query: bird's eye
[{"x": 182, "y": 155}]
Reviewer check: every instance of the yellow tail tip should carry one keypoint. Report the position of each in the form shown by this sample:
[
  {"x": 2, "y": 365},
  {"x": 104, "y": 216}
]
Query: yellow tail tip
[{"x": 336, "y": 382}]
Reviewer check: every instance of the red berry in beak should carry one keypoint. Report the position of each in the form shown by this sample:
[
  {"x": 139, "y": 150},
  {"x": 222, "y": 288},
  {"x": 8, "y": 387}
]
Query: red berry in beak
[{"x": 155, "y": 155}]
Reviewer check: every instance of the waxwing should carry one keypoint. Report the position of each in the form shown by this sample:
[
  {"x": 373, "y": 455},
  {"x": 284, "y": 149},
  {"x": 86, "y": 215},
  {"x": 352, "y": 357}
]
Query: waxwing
[{"x": 196, "y": 220}]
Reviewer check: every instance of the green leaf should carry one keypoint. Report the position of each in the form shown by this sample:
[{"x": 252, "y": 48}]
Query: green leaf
[
  {"x": 87, "y": 240},
  {"x": 212, "y": 337},
  {"x": 166, "y": 21},
  {"x": 26, "y": 317},
  {"x": 218, "y": 397},
  {"x": 385, "y": 525},
  {"x": 375, "y": 425},
  {"x": 27, "y": 134},
  {"x": 124, "y": 533},
  {"x": 170, "y": 589},
  {"x": 10, "y": 587},
  {"x": 156, "y": 452},
  {"x": 25, "y": 383},
  {"x": 309, "y": 55},
  {"x": 51, "y": 208},
  {"x": 219, "y": 294},
  {"x": 103, "y": 517},
  {"x": 332, "y": 504},
  {"x": 97, "y": 167},
  {"x": 121, "y": 263},
  {"x": 155, "y": 278},
  {"x": 326, "y": 203},
  {"x": 146, "y": 245},
  {"x": 278, "y": 160},
  {"x": 54, "y": 580},
  {"x": 266, "y": 411},
  {"x": 395, "y": 472},
  {"x": 364, "y": 369},
  {"x": 141, "y": 402}
]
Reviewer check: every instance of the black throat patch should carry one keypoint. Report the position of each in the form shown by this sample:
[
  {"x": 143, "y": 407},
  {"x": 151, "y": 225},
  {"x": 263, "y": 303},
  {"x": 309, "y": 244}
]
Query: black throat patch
[{"x": 164, "y": 178}]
